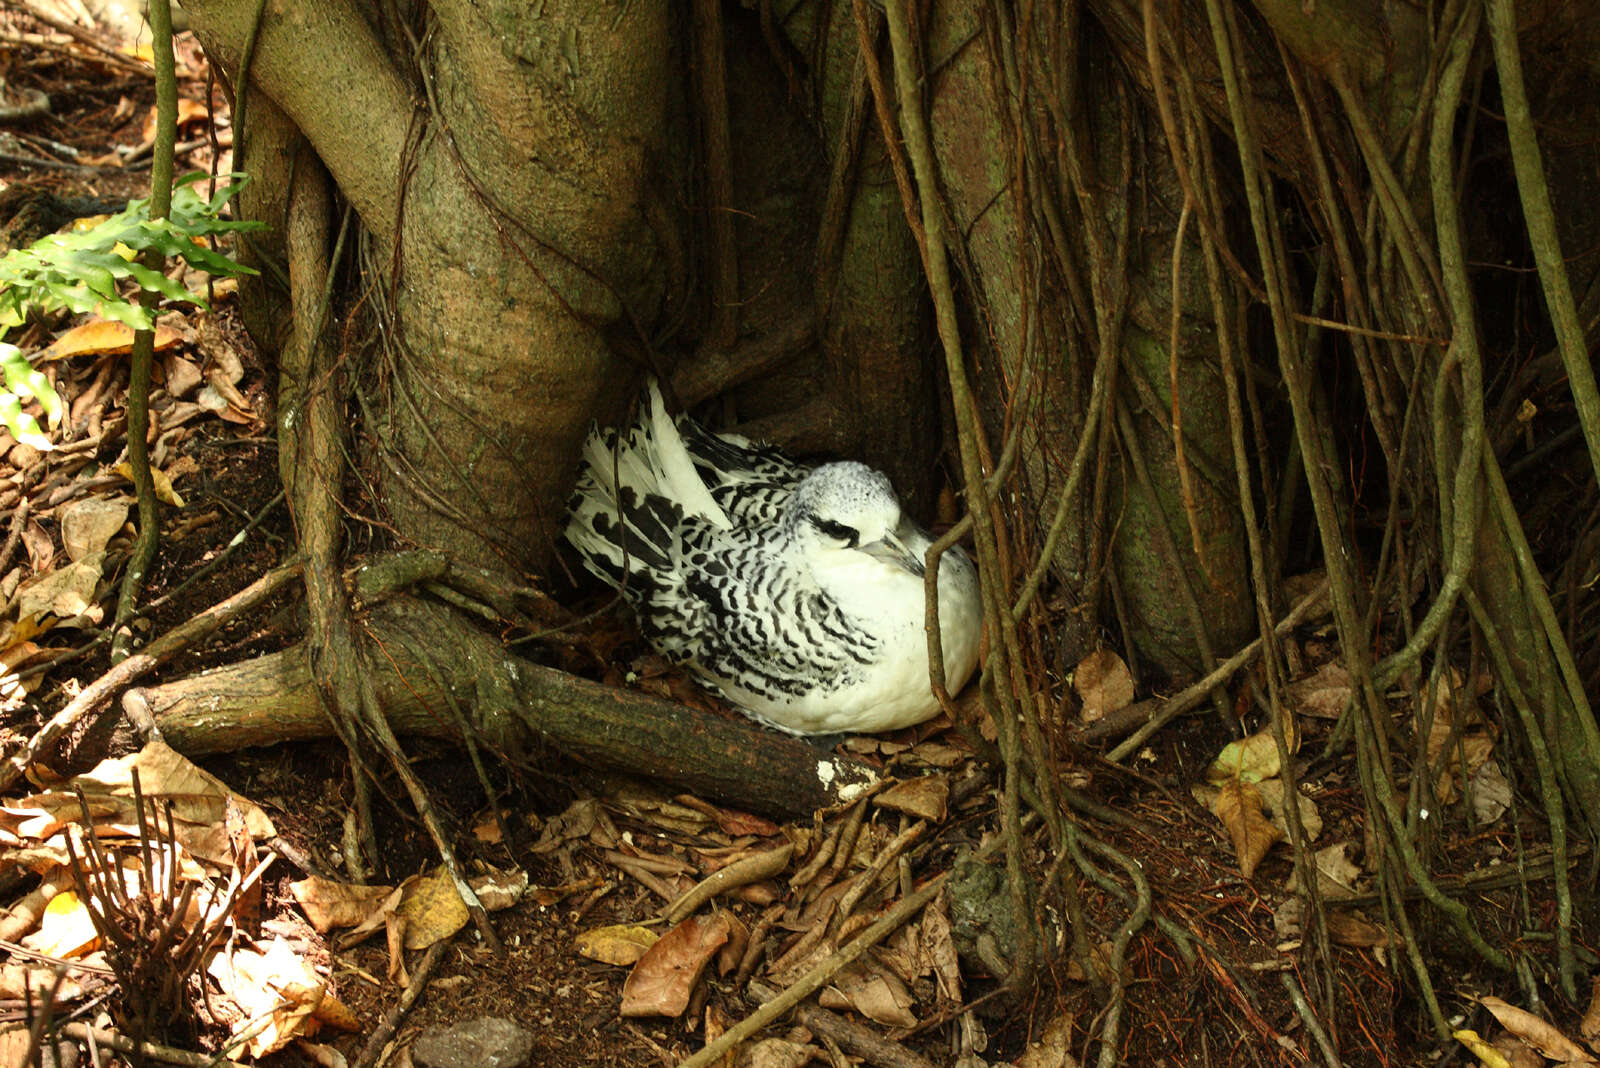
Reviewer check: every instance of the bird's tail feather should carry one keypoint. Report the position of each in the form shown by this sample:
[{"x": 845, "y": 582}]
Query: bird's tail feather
[{"x": 633, "y": 491}]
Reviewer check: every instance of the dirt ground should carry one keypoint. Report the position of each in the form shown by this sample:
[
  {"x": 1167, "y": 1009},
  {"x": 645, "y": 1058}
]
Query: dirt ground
[{"x": 598, "y": 853}]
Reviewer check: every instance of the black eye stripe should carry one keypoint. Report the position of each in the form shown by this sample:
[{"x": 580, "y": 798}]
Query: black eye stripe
[{"x": 849, "y": 535}]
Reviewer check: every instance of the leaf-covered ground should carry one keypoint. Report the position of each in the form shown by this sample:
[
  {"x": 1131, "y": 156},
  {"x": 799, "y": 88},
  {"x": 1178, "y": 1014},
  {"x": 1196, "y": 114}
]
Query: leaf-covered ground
[{"x": 585, "y": 877}]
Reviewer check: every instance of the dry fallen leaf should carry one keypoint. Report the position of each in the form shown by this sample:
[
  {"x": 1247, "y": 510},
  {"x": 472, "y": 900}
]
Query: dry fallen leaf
[
  {"x": 1323, "y": 694},
  {"x": 1103, "y": 682},
  {"x": 880, "y": 996},
  {"x": 1337, "y": 875},
  {"x": 937, "y": 754},
  {"x": 1272, "y": 800},
  {"x": 1536, "y": 1032},
  {"x": 498, "y": 890},
  {"x": 66, "y": 929},
  {"x": 924, "y": 797},
  {"x": 182, "y": 378},
  {"x": 88, "y": 524},
  {"x": 619, "y": 943},
  {"x": 1053, "y": 1049},
  {"x": 277, "y": 986},
  {"x": 1589, "y": 1026},
  {"x": 1490, "y": 792},
  {"x": 1356, "y": 931},
  {"x": 432, "y": 908},
  {"x": 189, "y": 111},
  {"x": 198, "y": 798},
  {"x": 775, "y": 1053},
  {"x": 937, "y": 949},
  {"x": 662, "y": 980},
  {"x": 577, "y": 821},
  {"x": 40, "y": 545},
  {"x": 1238, "y": 806},
  {"x": 162, "y": 481},
  {"x": 66, "y": 593},
  {"x": 24, "y": 981},
  {"x": 102, "y": 336},
  {"x": 328, "y": 903}
]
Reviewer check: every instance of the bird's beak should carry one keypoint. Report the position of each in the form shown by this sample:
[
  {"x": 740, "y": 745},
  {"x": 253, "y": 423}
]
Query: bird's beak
[{"x": 891, "y": 550}]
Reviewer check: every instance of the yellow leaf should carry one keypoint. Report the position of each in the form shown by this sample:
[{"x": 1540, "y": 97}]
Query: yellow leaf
[
  {"x": 1487, "y": 1055},
  {"x": 163, "y": 484},
  {"x": 1248, "y": 760},
  {"x": 66, "y": 929},
  {"x": 620, "y": 943},
  {"x": 432, "y": 909}
]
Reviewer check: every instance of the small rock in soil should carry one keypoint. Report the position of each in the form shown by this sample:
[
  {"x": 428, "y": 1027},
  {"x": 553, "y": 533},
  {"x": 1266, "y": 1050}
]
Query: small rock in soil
[{"x": 487, "y": 1042}]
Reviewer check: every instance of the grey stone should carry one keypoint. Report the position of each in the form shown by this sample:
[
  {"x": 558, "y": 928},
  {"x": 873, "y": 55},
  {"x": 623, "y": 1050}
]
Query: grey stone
[{"x": 486, "y": 1042}]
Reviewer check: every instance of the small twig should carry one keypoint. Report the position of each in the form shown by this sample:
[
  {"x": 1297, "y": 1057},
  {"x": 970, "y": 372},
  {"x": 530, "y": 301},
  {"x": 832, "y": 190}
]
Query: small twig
[
  {"x": 19, "y": 520},
  {"x": 743, "y": 872},
  {"x": 885, "y": 857},
  {"x": 391, "y": 1020},
  {"x": 165, "y": 1054},
  {"x": 82, "y": 36},
  {"x": 850, "y": 1036},
  {"x": 144, "y": 545}
]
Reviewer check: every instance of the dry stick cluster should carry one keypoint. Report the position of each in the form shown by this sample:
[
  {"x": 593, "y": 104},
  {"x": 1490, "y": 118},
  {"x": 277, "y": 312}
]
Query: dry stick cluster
[{"x": 153, "y": 943}]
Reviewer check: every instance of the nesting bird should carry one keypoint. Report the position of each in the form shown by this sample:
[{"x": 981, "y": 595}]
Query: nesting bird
[{"x": 795, "y": 592}]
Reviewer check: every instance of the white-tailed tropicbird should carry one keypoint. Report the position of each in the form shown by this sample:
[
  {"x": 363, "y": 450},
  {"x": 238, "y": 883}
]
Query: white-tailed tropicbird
[{"x": 795, "y": 592}]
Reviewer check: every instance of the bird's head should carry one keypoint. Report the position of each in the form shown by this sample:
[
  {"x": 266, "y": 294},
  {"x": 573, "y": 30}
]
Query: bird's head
[{"x": 849, "y": 507}]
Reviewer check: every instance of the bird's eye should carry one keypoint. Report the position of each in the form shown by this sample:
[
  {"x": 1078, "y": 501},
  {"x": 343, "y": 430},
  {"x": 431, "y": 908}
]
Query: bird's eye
[{"x": 849, "y": 535}]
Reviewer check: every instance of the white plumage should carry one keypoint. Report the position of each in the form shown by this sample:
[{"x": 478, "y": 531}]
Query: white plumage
[{"x": 796, "y": 593}]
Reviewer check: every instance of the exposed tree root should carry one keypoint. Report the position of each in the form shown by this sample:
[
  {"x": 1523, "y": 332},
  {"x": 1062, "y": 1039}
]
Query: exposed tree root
[{"x": 513, "y": 707}]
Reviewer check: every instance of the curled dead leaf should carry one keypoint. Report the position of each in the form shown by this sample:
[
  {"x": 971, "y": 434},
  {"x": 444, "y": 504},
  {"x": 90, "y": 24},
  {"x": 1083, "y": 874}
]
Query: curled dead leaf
[
  {"x": 664, "y": 977},
  {"x": 1536, "y": 1032}
]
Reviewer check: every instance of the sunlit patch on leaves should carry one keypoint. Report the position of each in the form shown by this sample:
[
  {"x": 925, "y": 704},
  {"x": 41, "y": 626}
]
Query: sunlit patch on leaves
[{"x": 1247, "y": 760}]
